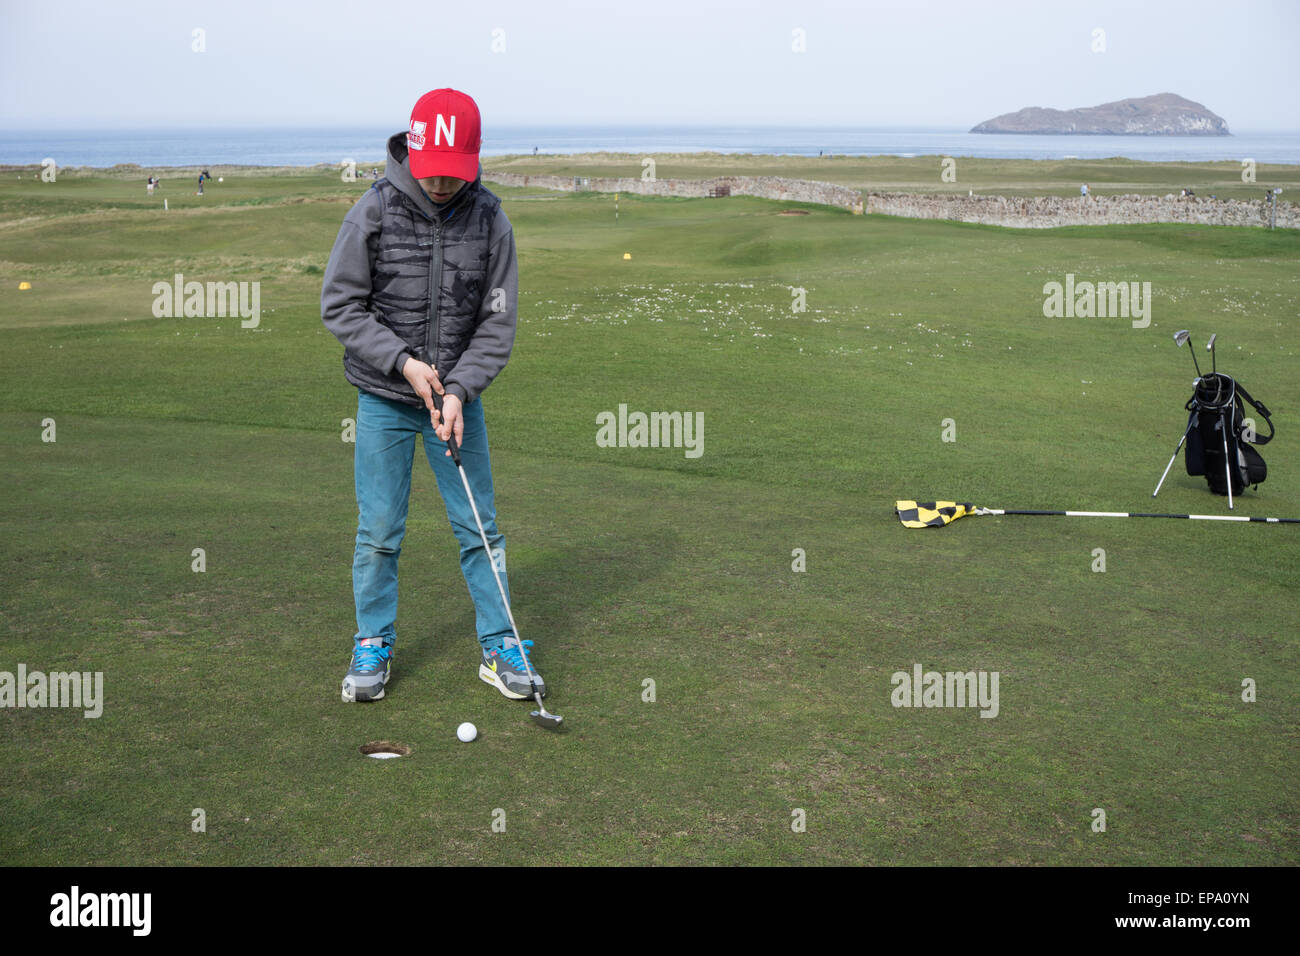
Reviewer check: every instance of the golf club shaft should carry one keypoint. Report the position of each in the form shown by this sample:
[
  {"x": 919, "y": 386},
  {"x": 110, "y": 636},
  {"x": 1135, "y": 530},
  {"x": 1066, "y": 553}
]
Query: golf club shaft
[
  {"x": 454, "y": 447},
  {"x": 1185, "y": 336}
]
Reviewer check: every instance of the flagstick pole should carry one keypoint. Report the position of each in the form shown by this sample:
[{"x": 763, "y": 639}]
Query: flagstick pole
[
  {"x": 938, "y": 514},
  {"x": 1136, "y": 514}
]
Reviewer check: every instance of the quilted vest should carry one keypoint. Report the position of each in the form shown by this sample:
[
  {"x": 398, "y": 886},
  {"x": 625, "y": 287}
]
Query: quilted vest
[{"x": 428, "y": 282}]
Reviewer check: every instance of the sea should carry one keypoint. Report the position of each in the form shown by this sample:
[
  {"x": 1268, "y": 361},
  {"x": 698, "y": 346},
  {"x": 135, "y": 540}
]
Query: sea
[{"x": 298, "y": 146}]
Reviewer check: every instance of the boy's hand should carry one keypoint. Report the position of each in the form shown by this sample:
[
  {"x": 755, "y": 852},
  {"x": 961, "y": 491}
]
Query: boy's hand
[
  {"x": 424, "y": 379},
  {"x": 451, "y": 420}
]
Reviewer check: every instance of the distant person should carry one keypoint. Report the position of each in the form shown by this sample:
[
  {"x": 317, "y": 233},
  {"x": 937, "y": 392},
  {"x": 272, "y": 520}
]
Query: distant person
[
  {"x": 1083, "y": 191},
  {"x": 150, "y": 185},
  {"x": 201, "y": 175},
  {"x": 374, "y": 173}
]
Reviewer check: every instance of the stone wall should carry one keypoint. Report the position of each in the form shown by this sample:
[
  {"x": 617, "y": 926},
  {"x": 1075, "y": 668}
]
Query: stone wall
[
  {"x": 1043, "y": 212},
  {"x": 766, "y": 187},
  {"x": 1034, "y": 212}
]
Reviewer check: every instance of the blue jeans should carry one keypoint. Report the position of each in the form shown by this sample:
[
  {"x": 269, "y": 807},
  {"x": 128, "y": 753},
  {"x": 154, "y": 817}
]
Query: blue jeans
[{"x": 385, "y": 454}]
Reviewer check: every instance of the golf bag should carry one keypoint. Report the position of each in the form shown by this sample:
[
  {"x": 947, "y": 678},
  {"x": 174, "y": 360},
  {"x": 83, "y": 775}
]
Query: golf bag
[{"x": 1215, "y": 428}]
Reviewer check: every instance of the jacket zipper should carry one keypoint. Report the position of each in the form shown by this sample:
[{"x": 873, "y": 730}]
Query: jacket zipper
[
  {"x": 435, "y": 284},
  {"x": 435, "y": 293}
]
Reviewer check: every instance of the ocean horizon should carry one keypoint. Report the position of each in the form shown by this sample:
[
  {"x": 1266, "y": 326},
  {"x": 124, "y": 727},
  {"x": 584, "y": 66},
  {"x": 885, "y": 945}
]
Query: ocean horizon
[{"x": 306, "y": 146}]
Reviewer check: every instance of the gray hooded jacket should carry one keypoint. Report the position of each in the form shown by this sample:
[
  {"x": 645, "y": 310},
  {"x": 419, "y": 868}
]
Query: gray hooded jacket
[{"x": 409, "y": 277}]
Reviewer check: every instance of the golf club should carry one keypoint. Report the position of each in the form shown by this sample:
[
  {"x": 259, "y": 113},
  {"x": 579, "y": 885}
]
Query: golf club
[
  {"x": 1214, "y": 357},
  {"x": 1181, "y": 337},
  {"x": 540, "y": 716}
]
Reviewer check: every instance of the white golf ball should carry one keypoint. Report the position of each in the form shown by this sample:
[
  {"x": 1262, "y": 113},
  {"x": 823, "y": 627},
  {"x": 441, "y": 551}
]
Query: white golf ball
[
  {"x": 221, "y": 179},
  {"x": 466, "y": 732}
]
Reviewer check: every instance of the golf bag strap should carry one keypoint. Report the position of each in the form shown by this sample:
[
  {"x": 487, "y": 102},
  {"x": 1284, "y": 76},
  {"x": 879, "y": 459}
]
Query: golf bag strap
[{"x": 1262, "y": 409}]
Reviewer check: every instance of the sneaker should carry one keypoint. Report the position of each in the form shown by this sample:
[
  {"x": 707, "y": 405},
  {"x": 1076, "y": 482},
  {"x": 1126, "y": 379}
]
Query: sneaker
[
  {"x": 371, "y": 667},
  {"x": 504, "y": 670}
]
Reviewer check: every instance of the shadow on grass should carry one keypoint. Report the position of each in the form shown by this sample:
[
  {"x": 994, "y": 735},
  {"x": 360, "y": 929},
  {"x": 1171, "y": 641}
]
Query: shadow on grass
[{"x": 555, "y": 593}]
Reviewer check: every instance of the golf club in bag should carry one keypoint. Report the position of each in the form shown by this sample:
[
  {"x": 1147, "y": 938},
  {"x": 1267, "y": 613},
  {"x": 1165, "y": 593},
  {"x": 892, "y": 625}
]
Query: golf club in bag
[
  {"x": 540, "y": 716},
  {"x": 1219, "y": 446}
]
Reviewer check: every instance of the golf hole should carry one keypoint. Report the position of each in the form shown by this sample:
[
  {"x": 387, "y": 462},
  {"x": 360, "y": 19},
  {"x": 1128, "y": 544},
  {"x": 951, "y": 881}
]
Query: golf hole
[{"x": 385, "y": 750}]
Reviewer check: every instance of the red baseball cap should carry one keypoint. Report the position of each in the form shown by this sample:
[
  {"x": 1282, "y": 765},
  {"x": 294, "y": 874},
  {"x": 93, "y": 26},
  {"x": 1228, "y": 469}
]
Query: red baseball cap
[{"x": 444, "y": 136}]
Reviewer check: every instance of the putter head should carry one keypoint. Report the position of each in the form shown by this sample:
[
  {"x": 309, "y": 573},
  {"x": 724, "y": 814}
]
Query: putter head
[
  {"x": 548, "y": 721},
  {"x": 541, "y": 717}
]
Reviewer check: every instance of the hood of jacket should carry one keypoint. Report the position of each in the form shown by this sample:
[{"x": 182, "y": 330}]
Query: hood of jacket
[{"x": 398, "y": 173}]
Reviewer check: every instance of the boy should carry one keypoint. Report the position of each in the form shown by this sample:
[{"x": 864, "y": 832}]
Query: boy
[{"x": 421, "y": 290}]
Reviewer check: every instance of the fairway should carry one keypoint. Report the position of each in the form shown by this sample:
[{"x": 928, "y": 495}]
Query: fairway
[{"x": 723, "y": 707}]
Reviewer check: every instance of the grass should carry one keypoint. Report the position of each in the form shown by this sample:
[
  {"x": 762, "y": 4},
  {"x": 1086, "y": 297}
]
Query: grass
[{"x": 1119, "y": 690}]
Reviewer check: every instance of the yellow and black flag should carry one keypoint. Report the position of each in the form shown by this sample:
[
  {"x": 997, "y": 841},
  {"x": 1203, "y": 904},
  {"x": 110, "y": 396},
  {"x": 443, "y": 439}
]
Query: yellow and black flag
[{"x": 931, "y": 514}]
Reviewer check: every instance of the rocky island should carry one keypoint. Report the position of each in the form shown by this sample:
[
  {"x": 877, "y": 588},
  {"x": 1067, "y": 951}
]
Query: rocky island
[{"x": 1165, "y": 114}]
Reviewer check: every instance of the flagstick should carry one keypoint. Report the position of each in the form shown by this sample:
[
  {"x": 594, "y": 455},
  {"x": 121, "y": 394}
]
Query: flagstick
[{"x": 1134, "y": 514}]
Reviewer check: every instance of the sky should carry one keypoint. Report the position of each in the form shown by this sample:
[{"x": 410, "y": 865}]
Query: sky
[{"x": 637, "y": 62}]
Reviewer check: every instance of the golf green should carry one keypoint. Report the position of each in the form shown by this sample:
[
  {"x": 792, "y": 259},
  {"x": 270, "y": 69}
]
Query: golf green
[{"x": 720, "y": 630}]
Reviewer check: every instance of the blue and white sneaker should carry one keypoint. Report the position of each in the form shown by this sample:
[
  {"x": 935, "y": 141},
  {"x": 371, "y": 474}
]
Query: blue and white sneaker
[
  {"x": 370, "y": 670},
  {"x": 504, "y": 670}
]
